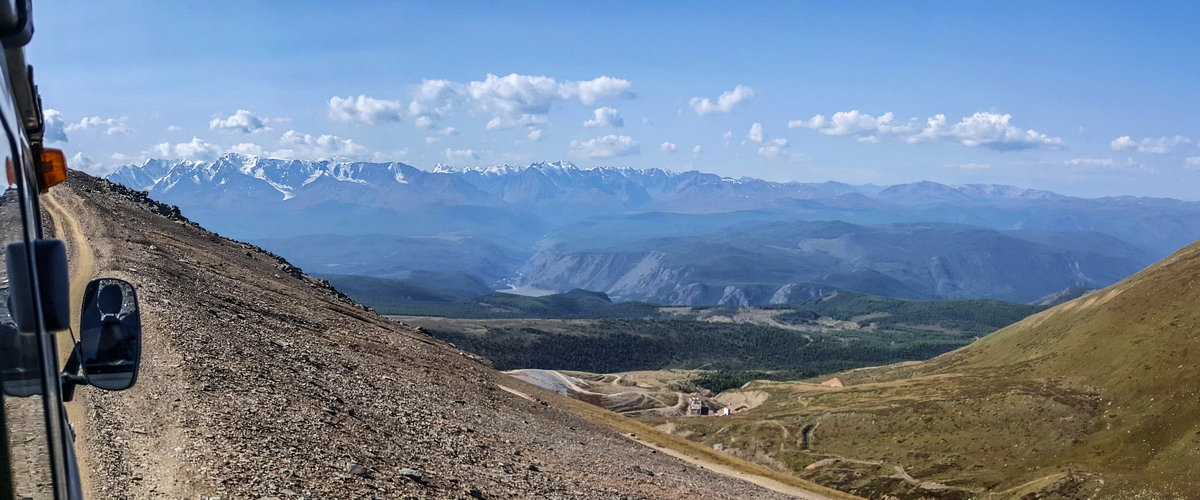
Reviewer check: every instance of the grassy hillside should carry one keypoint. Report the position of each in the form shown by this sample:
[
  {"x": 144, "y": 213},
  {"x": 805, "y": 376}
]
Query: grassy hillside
[{"x": 1096, "y": 397}]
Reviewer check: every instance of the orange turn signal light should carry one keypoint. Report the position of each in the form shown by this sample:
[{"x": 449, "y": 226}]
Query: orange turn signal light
[{"x": 51, "y": 168}]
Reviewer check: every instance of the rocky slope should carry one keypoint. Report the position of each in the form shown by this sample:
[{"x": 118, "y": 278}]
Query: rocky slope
[{"x": 259, "y": 381}]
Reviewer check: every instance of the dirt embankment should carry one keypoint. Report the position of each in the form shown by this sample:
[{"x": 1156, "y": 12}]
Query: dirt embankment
[{"x": 258, "y": 381}]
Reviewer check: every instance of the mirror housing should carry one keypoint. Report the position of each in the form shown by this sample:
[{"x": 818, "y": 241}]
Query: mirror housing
[
  {"x": 110, "y": 334},
  {"x": 52, "y": 278}
]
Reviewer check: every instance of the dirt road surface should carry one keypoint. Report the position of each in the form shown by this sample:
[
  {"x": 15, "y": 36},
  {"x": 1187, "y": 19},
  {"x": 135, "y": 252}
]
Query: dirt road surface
[{"x": 81, "y": 260}]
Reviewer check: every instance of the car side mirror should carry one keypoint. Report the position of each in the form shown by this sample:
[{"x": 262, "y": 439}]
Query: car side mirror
[{"x": 110, "y": 334}]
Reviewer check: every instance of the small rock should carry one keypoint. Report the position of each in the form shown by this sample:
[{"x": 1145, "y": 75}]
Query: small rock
[
  {"x": 719, "y": 447},
  {"x": 413, "y": 474},
  {"x": 533, "y": 468},
  {"x": 640, "y": 470},
  {"x": 476, "y": 494},
  {"x": 358, "y": 470}
]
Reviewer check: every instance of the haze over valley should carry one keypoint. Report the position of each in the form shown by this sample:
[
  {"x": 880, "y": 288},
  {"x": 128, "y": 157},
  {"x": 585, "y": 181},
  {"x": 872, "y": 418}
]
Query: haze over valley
[{"x": 686, "y": 238}]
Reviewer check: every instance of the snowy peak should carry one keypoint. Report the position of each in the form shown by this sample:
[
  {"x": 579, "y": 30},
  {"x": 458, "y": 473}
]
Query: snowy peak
[
  {"x": 231, "y": 171},
  {"x": 558, "y": 185}
]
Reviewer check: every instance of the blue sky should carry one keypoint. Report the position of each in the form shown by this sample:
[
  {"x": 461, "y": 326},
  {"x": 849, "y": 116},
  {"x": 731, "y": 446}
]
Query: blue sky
[{"x": 1084, "y": 98}]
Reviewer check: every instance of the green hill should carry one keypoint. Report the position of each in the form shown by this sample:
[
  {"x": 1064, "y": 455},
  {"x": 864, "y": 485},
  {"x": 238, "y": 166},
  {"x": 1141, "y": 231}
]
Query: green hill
[{"x": 1095, "y": 398}]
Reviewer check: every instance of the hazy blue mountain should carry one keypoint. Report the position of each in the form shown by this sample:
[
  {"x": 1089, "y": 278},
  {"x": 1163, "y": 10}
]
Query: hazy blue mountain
[
  {"x": 751, "y": 264},
  {"x": 397, "y": 256},
  {"x": 697, "y": 237}
]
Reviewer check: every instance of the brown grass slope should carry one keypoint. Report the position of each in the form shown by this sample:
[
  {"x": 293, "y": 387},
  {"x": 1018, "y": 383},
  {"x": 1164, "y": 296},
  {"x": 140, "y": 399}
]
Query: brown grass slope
[
  {"x": 1096, "y": 398},
  {"x": 258, "y": 382}
]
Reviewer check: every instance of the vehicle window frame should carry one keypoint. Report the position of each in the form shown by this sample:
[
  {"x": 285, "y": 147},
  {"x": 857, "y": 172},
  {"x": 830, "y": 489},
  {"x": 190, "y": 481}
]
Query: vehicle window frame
[{"x": 63, "y": 472}]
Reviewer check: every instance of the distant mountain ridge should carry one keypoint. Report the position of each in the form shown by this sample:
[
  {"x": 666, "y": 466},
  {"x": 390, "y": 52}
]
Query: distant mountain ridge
[
  {"x": 556, "y": 226},
  {"x": 536, "y": 182}
]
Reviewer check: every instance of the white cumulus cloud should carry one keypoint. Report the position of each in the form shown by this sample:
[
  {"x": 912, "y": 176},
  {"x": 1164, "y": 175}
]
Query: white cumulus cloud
[
  {"x": 297, "y": 145},
  {"x": 725, "y": 102},
  {"x": 196, "y": 149},
  {"x": 526, "y": 120},
  {"x": 855, "y": 123},
  {"x": 248, "y": 148},
  {"x": 511, "y": 99},
  {"x": 515, "y": 94},
  {"x": 55, "y": 130},
  {"x": 769, "y": 148},
  {"x": 242, "y": 121},
  {"x": 1091, "y": 162},
  {"x": 988, "y": 130},
  {"x": 697, "y": 149},
  {"x": 80, "y": 161},
  {"x": 535, "y": 134},
  {"x": 606, "y": 147},
  {"x": 1192, "y": 163},
  {"x": 668, "y": 147},
  {"x": 111, "y": 126},
  {"x": 773, "y": 148},
  {"x": 605, "y": 117},
  {"x": 1158, "y": 146},
  {"x": 1108, "y": 165},
  {"x": 396, "y": 155},
  {"x": 364, "y": 109},
  {"x": 454, "y": 155},
  {"x": 756, "y": 133},
  {"x": 600, "y": 89}
]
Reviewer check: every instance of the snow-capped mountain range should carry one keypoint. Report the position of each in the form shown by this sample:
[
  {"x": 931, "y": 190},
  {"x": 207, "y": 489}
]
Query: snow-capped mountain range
[
  {"x": 300, "y": 182},
  {"x": 653, "y": 234}
]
